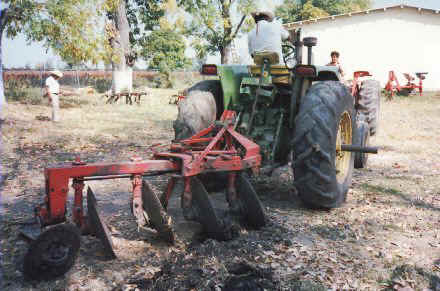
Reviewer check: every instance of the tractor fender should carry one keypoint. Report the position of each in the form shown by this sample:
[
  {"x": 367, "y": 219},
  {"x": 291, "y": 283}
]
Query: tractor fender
[
  {"x": 327, "y": 73},
  {"x": 318, "y": 73}
]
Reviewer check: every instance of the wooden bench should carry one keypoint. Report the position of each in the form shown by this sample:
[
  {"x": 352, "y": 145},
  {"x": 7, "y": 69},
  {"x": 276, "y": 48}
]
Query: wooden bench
[{"x": 130, "y": 98}]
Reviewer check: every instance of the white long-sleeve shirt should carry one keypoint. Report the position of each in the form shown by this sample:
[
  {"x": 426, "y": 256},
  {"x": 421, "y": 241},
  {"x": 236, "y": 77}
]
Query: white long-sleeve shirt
[
  {"x": 267, "y": 36},
  {"x": 52, "y": 85}
]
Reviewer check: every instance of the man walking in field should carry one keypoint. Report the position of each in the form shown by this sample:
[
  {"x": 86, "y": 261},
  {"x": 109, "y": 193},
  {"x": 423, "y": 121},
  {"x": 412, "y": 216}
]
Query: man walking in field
[{"x": 53, "y": 92}]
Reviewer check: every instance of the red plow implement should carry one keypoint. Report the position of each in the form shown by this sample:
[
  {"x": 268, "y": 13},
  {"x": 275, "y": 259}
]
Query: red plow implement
[
  {"x": 394, "y": 86},
  {"x": 219, "y": 148}
]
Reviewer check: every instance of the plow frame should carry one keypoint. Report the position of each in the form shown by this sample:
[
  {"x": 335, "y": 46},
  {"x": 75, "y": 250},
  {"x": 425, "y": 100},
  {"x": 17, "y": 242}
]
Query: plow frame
[{"x": 213, "y": 149}]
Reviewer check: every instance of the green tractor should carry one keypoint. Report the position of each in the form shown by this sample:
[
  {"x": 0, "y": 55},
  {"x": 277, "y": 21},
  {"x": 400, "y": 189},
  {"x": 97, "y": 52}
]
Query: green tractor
[{"x": 305, "y": 114}]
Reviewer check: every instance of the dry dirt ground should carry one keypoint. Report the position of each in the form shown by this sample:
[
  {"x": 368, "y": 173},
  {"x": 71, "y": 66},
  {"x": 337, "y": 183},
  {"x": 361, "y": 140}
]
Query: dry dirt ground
[{"x": 385, "y": 237}]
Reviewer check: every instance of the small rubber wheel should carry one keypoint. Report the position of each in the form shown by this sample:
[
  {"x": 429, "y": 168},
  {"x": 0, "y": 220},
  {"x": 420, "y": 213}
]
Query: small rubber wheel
[
  {"x": 250, "y": 204},
  {"x": 362, "y": 139},
  {"x": 53, "y": 253}
]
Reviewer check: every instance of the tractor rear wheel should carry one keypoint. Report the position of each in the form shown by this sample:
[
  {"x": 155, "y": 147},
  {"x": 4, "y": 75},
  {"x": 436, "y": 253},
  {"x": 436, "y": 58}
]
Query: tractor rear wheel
[
  {"x": 194, "y": 115},
  {"x": 215, "y": 88},
  {"x": 369, "y": 103},
  {"x": 324, "y": 122}
]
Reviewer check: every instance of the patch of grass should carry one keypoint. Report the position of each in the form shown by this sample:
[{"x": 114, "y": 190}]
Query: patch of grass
[
  {"x": 73, "y": 101},
  {"x": 399, "y": 194},
  {"x": 375, "y": 188},
  {"x": 331, "y": 232},
  {"x": 412, "y": 276},
  {"x": 25, "y": 95}
]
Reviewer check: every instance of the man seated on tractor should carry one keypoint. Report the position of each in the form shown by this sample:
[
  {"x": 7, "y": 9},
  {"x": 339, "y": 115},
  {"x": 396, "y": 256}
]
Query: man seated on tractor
[
  {"x": 335, "y": 62},
  {"x": 267, "y": 34}
]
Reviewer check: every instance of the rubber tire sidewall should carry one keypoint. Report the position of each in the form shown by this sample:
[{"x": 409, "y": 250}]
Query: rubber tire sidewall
[
  {"x": 215, "y": 88},
  {"x": 362, "y": 139},
  {"x": 369, "y": 103},
  {"x": 33, "y": 258},
  {"x": 317, "y": 124}
]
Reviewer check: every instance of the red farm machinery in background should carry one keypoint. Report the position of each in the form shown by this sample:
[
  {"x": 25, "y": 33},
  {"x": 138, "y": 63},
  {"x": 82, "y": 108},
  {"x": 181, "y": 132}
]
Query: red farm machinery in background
[{"x": 393, "y": 86}]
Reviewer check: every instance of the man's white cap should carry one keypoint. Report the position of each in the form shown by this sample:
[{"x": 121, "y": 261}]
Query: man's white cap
[
  {"x": 264, "y": 7},
  {"x": 56, "y": 73},
  {"x": 267, "y": 13}
]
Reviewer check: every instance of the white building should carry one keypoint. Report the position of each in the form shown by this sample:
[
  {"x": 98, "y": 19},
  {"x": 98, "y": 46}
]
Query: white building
[{"x": 402, "y": 38}]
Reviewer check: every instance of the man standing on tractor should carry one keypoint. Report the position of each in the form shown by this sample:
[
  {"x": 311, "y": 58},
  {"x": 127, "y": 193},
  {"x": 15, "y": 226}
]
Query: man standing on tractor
[
  {"x": 267, "y": 34},
  {"x": 52, "y": 92},
  {"x": 335, "y": 62}
]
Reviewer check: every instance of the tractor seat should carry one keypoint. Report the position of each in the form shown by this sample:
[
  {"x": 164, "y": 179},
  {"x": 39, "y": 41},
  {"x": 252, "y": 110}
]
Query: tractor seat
[
  {"x": 408, "y": 77},
  {"x": 421, "y": 76},
  {"x": 272, "y": 57},
  {"x": 280, "y": 73}
]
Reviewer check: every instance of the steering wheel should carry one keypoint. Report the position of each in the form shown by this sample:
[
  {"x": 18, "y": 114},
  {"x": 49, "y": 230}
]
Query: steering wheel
[{"x": 288, "y": 54}]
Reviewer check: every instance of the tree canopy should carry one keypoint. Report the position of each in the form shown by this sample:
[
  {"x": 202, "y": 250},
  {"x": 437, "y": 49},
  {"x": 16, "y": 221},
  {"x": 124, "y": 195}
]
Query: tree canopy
[
  {"x": 165, "y": 50},
  {"x": 296, "y": 10},
  {"x": 213, "y": 27},
  {"x": 66, "y": 26}
]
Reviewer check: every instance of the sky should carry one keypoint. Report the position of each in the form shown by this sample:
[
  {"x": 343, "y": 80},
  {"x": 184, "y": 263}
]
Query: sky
[{"x": 17, "y": 53}]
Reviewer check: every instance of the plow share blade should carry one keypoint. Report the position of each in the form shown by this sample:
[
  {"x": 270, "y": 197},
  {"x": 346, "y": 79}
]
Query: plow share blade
[
  {"x": 99, "y": 227},
  {"x": 213, "y": 226},
  {"x": 159, "y": 220},
  {"x": 250, "y": 204}
]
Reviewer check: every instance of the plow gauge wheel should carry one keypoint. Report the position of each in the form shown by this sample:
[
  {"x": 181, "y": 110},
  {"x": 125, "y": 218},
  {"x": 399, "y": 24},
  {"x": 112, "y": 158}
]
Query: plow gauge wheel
[
  {"x": 53, "y": 253},
  {"x": 159, "y": 220},
  {"x": 251, "y": 206},
  {"x": 100, "y": 228},
  {"x": 213, "y": 226}
]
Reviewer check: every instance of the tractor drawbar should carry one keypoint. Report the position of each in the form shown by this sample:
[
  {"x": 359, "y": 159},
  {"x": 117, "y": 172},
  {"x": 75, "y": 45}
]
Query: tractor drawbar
[{"x": 359, "y": 149}]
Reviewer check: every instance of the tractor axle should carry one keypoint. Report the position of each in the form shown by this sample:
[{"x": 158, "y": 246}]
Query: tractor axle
[{"x": 359, "y": 149}]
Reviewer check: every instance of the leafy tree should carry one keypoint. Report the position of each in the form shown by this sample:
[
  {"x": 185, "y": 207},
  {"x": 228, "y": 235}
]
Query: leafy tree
[
  {"x": 296, "y": 10},
  {"x": 144, "y": 16},
  {"x": 213, "y": 27},
  {"x": 167, "y": 47},
  {"x": 73, "y": 28},
  {"x": 66, "y": 26}
]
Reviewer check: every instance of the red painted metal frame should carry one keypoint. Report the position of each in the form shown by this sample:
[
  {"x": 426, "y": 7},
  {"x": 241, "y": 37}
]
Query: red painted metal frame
[
  {"x": 355, "y": 86},
  {"x": 393, "y": 84},
  {"x": 212, "y": 149}
]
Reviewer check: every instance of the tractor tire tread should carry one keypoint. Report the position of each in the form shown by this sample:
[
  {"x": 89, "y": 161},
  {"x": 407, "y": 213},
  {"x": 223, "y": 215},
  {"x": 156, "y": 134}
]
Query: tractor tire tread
[
  {"x": 317, "y": 121},
  {"x": 369, "y": 103}
]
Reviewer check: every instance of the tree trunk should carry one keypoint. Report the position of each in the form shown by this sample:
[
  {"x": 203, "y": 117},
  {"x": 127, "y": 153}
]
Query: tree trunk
[
  {"x": 225, "y": 54},
  {"x": 123, "y": 60},
  {"x": 225, "y": 50},
  {"x": 2, "y": 91}
]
